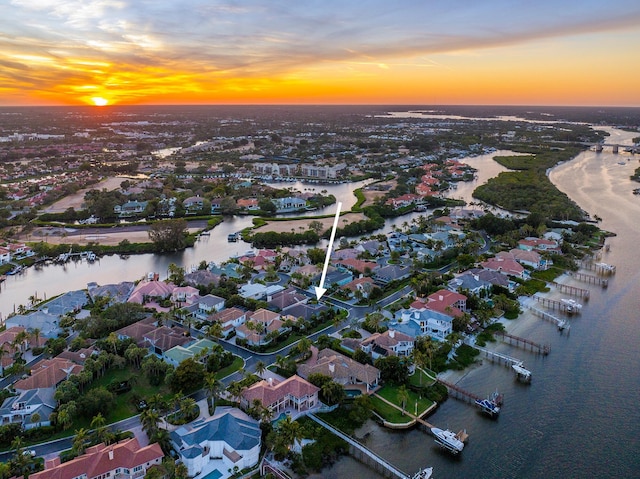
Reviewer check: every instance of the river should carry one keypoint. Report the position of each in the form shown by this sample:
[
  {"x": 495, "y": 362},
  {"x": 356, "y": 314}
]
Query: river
[{"x": 579, "y": 417}]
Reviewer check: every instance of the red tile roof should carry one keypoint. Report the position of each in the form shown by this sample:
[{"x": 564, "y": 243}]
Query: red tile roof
[{"x": 102, "y": 459}]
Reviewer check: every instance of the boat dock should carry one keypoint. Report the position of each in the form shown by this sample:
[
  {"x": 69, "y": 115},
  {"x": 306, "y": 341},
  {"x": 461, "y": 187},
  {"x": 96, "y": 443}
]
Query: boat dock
[
  {"x": 524, "y": 343},
  {"x": 565, "y": 307},
  {"x": 560, "y": 323},
  {"x": 589, "y": 278},
  {"x": 572, "y": 290},
  {"x": 362, "y": 453},
  {"x": 459, "y": 393},
  {"x": 516, "y": 364},
  {"x": 603, "y": 269}
]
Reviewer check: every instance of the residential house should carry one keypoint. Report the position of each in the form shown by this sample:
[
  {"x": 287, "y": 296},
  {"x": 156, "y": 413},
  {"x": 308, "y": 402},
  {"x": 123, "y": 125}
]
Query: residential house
[
  {"x": 22, "y": 407},
  {"x": 193, "y": 204},
  {"x": 357, "y": 265},
  {"x": 258, "y": 325},
  {"x": 363, "y": 285},
  {"x": 341, "y": 369},
  {"x": 146, "y": 291},
  {"x": 258, "y": 290},
  {"x": 444, "y": 301},
  {"x": 525, "y": 257},
  {"x": 392, "y": 272},
  {"x": 137, "y": 330},
  {"x": 313, "y": 170},
  {"x": 506, "y": 266},
  {"x": 208, "y": 305},
  {"x": 179, "y": 353},
  {"x": 185, "y": 296},
  {"x": 48, "y": 324},
  {"x": 294, "y": 393},
  {"x": 248, "y": 204},
  {"x": 417, "y": 322},
  {"x": 229, "y": 319},
  {"x": 286, "y": 298},
  {"x": 541, "y": 244},
  {"x": 117, "y": 293},
  {"x": 228, "y": 440},
  {"x": 162, "y": 339},
  {"x": 389, "y": 343},
  {"x": 48, "y": 373},
  {"x": 290, "y": 203},
  {"x": 469, "y": 282},
  {"x": 403, "y": 200},
  {"x": 5, "y": 255},
  {"x": 493, "y": 277},
  {"x": 9, "y": 345},
  {"x": 304, "y": 310},
  {"x": 126, "y": 459},
  {"x": 373, "y": 247},
  {"x": 130, "y": 208},
  {"x": 69, "y": 302},
  {"x": 202, "y": 278}
]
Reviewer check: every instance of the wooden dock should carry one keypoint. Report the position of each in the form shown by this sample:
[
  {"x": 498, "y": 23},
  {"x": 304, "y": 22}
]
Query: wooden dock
[
  {"x": 459, "y": 393},
  {"x": 602, "y": 269},
  {"x": 560, "y": 323},
  {"x": 559, "y": 305},
  {"x": 589, "y": 278},
  {"x": 572, "y": 290},
  {"x": 524, "y": 343}
]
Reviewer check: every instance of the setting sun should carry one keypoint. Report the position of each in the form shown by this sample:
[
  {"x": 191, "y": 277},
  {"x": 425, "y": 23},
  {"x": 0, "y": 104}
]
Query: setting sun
[{"x": 99, "y": 101}]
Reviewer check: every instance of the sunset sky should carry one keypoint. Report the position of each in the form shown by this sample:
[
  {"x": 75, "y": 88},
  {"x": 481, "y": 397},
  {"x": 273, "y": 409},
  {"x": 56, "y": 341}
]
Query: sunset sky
[{"x": 535, "y": 52}]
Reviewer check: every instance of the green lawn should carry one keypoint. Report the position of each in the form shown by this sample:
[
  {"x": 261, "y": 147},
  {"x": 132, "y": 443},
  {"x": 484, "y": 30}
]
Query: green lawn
[
  {"x": 388, "y": 412},
  {"x": 422, "y": 378},
  {"x": 390, "y": 393},
  {"x": 236, "y": 365}
]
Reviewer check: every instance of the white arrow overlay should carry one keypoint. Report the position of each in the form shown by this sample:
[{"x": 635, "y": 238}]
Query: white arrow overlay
[{"x": 320, "y": 289}]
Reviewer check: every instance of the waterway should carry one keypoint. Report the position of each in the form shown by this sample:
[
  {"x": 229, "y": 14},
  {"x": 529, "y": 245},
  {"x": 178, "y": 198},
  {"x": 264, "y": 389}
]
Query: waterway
[{"x": 579, "y": 417}]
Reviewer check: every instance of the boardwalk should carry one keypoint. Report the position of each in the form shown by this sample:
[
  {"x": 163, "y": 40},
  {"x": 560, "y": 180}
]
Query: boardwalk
[
  {"x": 572, "y": 290},
  {"x": 569, "y": 307},
  {"x": 524, "y": 343},
  {"x": 458, "y": 392},
  {"x": 560, "y": 323},
  {"x": 372, "y": 459}
]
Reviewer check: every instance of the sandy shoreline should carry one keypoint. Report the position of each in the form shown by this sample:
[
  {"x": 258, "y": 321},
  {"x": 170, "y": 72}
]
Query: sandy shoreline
[{"x": 302, "y": 225}]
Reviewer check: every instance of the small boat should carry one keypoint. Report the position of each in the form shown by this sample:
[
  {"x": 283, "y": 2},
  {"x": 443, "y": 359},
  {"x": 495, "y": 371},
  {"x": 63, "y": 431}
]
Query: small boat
[
  {"x": 448, "y": 440},
  {"x": 425, "y": 473},
  {"x": 521, "y": 372},
  {"x": 232, "y": 238},
  {"x": 571, "y": 305},
  {"x": 16, "y": 270},
  {"x": 488, "y": 406},
  {"x": 497, "y": 398}
]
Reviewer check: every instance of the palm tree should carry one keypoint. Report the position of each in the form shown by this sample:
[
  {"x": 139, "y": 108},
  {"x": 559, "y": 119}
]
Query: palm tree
[
  {"x": 304, "y": 345},
  {"x": 403, "y": 397},
  {"x": 80, "y": 441},
  {"x": 35, "y": 332},
  {"x": 149, "y": 420},
  {"x": 260, "y": 368},
  {"x": 213, "y": 387},
  {"x": 35, "y": 419},
  {"x": 162, "y": 437},
  {"x": 98, "y": 423},
  {"x": 289, "y": 432},
  {"x": 215, "y": 330}
]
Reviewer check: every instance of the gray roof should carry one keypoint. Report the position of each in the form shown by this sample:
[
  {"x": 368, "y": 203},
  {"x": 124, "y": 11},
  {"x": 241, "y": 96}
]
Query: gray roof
[
  {"x": 468, "y": 281},
  {"x": 66, "y": 303},
  {"x": 119, "y": 293},
  {"x": 45, "y": 322},
  {"x": 230, "y": 425}
]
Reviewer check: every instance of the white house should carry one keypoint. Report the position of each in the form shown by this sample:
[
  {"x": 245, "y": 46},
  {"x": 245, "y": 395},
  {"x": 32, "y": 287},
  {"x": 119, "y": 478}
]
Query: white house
[{"x": 229, "y": 439}]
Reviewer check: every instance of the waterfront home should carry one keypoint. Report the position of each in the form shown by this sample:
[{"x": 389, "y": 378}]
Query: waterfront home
[
  {"x": 21, "y": 408},
  {"x": 69, "y": 302},
  {"x": 229, "y": 319},
  {"x": 146, "y": 291},
  {"x": 126, "y": 459},
  {"x": 5, "y": 255},
  {"x": 41, "y": 320},
  {"x": 250, "y": 204},
  {"x": 525, "y": 257},
  {"x": 193, "y": 204},
  {"x": 290, "y": 203},
  {"x": 294, "y": 394},
  {"x": 541, "y": 244},
  {"x": 403, "y": 200},
  {"x": 493, "y": 277},
  {"x": 230, "y": 270},
  {"x": 444, "y": 301},
  {"x": 228, "y": 440},
  {"x": 130, "y": 208},
  {"x": 418, "y": 322},
  {"x": 389, "y": 343},
  {"x": 117, "y": 293},
  {"x": 341, "y": 369},
  {"x": 202, "y": 278}
]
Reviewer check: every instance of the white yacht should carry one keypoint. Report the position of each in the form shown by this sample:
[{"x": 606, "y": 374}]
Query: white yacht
[{"x": 448, "y": 440}]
